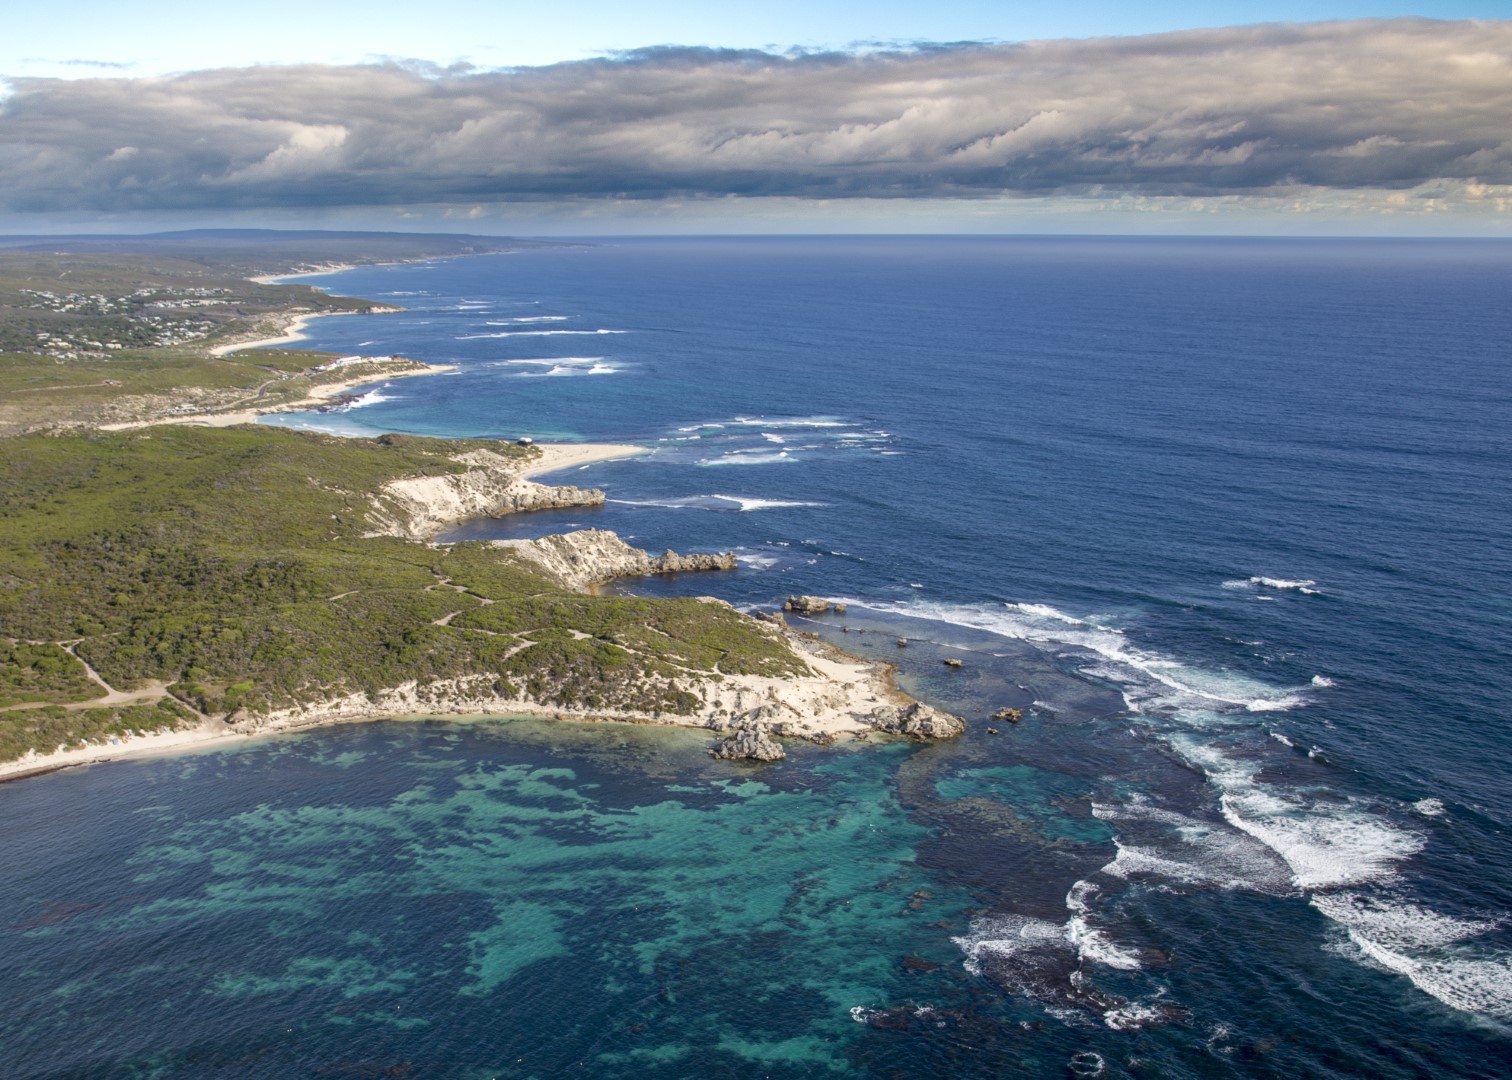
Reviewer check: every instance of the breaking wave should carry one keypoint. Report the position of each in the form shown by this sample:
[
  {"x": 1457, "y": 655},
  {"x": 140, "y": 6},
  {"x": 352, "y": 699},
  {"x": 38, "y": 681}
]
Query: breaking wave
[
  {"x": 741, "y": 503},
  {"x": 533, "y": 333},
  {"x": 1434, "y": 951},
  {"x": 1302, "y": 585},
  {"x": 749, "y": 457},
  {"x": 1149, "y": 681}
]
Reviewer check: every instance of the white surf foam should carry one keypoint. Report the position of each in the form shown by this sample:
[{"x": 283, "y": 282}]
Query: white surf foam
[
  {"x": 1007, "y": 936},
  {"x": 1181, "y": 850},
  {"x": 746, "y": 457},
  {"x": 1095, "y": 945},
  {"x": 785, "y": 422},
  {"x": 1088, "y": 1063},
  {"x": 741, "y": 503},
  {"x": 1134, "y": 1015},
  {"x": 1428, "y": 948},
  {"x": 1150, "y": 680},
  {"x": 372, "y": 397},
  {"x": 779, "y": 423},
  {"x": 527, "y": 319},
  {"x": 1302, "y": 585},
  {"x": 547, "y": 361},
  {"x": 757, "y": 562},
  {"x": 534, "y": 333},
  {"x": 748, "y": 504},
  {"x": 571, "y": 370},
  {"x": 1326, "y": 842}
]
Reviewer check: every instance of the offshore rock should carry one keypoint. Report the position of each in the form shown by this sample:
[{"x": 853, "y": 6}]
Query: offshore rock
[
  {"x": 750, "y": 742},
  {"x": 807, "y": 605},
  {"x": 918, "y": 721},
  {"x": 589, "y": 556}
]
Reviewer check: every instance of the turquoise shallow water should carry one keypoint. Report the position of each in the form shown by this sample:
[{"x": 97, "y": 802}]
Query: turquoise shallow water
[
  {"x": 1223, "y": 518},
  {"x": 471, "y": 899}
]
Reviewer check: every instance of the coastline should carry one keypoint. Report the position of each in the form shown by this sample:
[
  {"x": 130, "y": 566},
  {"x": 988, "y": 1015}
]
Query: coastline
[
  {"x": 842, "y": 696},
  {"x": 814, "y": 709},
  {"x": 319, "y": 271},
  {"x": 558, "y": 456},
  {"x": 317, "y": 396},
  {"x": 293, "y": 331}
]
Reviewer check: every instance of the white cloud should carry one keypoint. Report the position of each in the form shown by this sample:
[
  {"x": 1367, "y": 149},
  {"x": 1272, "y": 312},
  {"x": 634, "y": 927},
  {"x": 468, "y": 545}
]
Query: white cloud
[{"x": 1270, "y": 111}]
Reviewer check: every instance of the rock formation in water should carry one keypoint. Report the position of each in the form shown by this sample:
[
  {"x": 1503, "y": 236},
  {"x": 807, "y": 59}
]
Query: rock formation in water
[
  {"x": 806, "y": 605},
  {"x": 917, "y": 721},
  {"x": 750, "y": 742}
]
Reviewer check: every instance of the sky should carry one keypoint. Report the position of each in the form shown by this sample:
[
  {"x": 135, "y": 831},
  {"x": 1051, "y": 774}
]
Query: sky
[{"x": 1377, "y": 117}]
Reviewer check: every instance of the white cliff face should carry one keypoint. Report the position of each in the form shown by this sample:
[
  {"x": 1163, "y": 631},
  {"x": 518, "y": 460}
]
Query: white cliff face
[
  {"x": 589, "y": 556},
  {"x": 838, "y": 696},
  {"x": 419, "y": 507}
]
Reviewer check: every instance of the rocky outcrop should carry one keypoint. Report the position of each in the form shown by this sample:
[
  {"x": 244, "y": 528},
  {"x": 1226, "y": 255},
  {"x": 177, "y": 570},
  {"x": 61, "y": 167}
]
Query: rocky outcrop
[
  {"x": 419, "y": 507},
  {"x": 807, "y": 605},
  {"x": 918, "y": 721},
  {"x": 749, "y": 742},
  {"x": 589, "y": 556}
]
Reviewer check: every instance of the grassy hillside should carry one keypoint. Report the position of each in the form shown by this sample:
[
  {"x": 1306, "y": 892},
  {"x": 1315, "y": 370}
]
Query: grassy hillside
[{"x": 230, "y": 565}]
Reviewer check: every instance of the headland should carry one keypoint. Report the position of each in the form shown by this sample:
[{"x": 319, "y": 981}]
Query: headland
[{"x": 218, "y": 580}]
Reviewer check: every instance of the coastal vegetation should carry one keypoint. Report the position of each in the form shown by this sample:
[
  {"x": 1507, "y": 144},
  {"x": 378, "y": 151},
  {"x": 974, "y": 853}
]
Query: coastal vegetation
[
  {"x": 106, "y": 329},
  {"x": 232, "y": 568},
  {"x": 157, "y": 576}
]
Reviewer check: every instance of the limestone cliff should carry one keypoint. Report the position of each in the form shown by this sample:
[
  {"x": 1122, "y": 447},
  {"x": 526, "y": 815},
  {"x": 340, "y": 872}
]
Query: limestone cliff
[
  {"x": 417, "y": 508},
  {"x": 589, "y": 556}
]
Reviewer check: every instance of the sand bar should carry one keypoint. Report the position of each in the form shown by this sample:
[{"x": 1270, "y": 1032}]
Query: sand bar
[{"x": 558, "y": 456}]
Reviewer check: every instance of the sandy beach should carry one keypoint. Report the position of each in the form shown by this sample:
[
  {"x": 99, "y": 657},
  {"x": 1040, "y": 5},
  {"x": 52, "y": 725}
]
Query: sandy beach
[
  {"x": 558, "y": 456},
  {"x": 319, "y": 271},
  {"x": 293, "y": 332},
  {"x": 146, "y": 745}
]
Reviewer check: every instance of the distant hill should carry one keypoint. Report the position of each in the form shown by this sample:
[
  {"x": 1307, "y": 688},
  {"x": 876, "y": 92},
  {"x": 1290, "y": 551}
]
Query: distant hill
[{"x": 266, "y": 251}]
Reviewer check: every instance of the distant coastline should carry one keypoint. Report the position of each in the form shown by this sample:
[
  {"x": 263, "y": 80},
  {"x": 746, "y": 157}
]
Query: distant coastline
[{"x": 826, "y": 695}]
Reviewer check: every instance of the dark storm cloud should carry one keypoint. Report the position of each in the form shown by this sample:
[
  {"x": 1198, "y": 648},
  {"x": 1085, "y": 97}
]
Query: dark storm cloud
[{"x": 1386, "y": 105}]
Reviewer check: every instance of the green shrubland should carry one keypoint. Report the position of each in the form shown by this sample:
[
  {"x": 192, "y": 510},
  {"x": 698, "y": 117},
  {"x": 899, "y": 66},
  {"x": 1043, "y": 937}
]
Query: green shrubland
[{"x": 232, "y": 564}]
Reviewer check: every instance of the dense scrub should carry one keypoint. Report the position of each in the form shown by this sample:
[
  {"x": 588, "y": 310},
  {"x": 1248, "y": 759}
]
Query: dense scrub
[{"x": 232, "y": 565}]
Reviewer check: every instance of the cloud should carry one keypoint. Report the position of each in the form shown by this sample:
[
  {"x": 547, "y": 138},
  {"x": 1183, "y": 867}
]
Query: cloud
[{"x": 1374, "y": 105}]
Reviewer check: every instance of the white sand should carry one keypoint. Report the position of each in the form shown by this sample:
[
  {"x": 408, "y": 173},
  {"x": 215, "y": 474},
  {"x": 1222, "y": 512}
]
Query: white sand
[
  {"x": 320, "y": 271},
  {"x": 125, "y": 747},
  {"x": 558, "y": 456},
  {"x": 293, "y": 331}
]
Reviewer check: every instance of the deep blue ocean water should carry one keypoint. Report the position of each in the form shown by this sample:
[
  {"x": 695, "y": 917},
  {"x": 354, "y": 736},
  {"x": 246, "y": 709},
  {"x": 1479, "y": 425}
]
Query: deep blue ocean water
[{"x": 1228, "y": 518}]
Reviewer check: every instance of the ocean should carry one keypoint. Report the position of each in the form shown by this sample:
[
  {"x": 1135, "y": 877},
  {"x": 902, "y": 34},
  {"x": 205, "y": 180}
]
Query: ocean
[{"x": 1227, "y": 518}]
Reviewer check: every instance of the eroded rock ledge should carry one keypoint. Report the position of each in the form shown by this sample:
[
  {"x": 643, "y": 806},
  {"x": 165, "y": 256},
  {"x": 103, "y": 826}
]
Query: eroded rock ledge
[
  {"x": 835, "y": 696},
  {"x": 417, "y": 508},
  {"x": 590, "y": 556}
]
